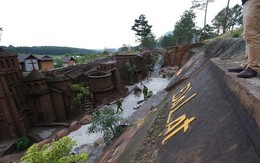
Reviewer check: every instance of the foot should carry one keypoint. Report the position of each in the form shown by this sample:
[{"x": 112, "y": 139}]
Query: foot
[
  {"x": 237, "y": 69},
  {"x": 247, "y": 73}
]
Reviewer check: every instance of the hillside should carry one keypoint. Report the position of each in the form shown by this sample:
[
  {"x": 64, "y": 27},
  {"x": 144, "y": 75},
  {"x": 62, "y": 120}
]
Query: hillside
[{"x": 47, "y": 50}]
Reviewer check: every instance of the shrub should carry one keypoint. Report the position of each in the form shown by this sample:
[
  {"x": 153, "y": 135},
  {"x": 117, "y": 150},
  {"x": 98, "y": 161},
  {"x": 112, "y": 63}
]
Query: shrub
[
  {"x": 106, "y": 121},
  {"x": 58, "y": 152},
  {"x": 22, "y": 143}
]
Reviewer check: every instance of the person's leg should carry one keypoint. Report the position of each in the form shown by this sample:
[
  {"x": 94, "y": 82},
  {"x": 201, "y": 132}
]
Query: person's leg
[{"x": 251, "y": 15}]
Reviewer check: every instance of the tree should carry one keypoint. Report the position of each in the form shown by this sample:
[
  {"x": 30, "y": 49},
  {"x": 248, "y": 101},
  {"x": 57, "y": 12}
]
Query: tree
[
  {"x": 209, "y": 32},
  {"x": 202, "y": 5},
  {"x": 58, "y": 63},
  {"x": 226, "y": 18},
  {"x": 58, "y": 151},
  {"x": 168, "y": 41},
  {"x": 148, "y": 42},
  {"x": 185, "y": 28},
  {"x": 106, "y": 120},
  {"x": 237, "y": 16},
  {"x": 234, "y": 17},
  {"x": 124, "y": 48},
  {"x": 1, "y": 29},
  {"x": 130, "y": 69},
  {"x": 143, "y": 30},
  {"x": 81, "y": 92}
]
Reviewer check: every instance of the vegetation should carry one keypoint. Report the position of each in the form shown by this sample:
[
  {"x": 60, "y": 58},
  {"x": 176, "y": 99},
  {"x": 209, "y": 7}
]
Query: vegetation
[
  {"x": 58, "y": 151},
  {"x": 143, "y": 32},
  {"x": 236, "y": 33},
  {"x": 58, "y": 63},
  {"x": 81, "y": 91},
  {"x": 167, "y": 41},
  {"x": 47, "y": 50},
  {"x": 88, "y": 58},
  {"x": 106, "y": 120},
  {"x": 127, "y": 49},
  {"x": 130, "y": 69},
  {"x": 22, "y": 143},
  {"x": 202, "y": 5},
  {"x": 223, "y": 23},
  {"x": 184, "y": 29},
  {"x": 1, "y": 29},
  {"x": 153, "y": 59}
]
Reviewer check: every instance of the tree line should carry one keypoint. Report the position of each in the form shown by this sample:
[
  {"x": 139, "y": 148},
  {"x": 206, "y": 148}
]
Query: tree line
[
  {"x": 47, "y": 50},
  {"x": 185, "y": 30}
]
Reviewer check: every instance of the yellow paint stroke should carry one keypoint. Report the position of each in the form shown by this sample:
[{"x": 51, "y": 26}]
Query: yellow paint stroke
[
  {"x": 182, "y": 92},
  {"x": 175, "y": 123},
  {"x": 175, "y": 109}
]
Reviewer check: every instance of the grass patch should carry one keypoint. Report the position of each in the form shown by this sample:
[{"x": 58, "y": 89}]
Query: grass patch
[{"x": 235, "y": 34}]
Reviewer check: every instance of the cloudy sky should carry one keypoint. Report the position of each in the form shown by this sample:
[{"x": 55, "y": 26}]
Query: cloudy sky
[{"x": 90, "y": 24}]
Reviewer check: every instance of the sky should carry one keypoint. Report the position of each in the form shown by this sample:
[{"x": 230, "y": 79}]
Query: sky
[{"x": 91, "y": 24}]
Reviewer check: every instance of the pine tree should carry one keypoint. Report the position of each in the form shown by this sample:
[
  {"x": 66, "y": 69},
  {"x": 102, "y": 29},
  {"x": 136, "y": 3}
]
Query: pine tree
[{"x": 142, "y": 28}]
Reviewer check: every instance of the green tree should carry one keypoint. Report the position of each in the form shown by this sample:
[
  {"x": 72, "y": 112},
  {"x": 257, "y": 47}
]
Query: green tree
[
  {"x": 58, "y": 63},
  {"x": 168, "y": 41},
  {"x": 106, "y": 120},
  {"x": 57, "y": 152},
  {"x": 220, "y": 22},
  {"x": 236, "y": 16},
  {"x": 202, "y": 5},
  {"x": 185, "y": 28},
  {"x": 124, "y": 48},
  {"x": 227, "y": 13},
  {"x": 148, "y": 42},
  {"x": 143, "y": 31},
  {"x": 1, "y": 29},
  {"x": 81, "y": 92},
  {"x": 209, "y": 32},
  {"x": 130, "y": 69}
]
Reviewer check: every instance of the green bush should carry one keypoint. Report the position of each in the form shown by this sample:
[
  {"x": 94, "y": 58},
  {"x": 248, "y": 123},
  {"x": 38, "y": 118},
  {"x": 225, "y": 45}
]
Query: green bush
[
  {"x": 106, "y": 120},
  {"x": 22, "y": 143},
  {"x": 58, "y": 152},
  {"x": 236, "y": 35}
]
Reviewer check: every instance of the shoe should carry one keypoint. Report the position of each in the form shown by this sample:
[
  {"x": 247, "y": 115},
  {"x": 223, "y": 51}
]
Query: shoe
[
  {"x": 247, "y": 73},
  {"x": 237, "y": 69}
]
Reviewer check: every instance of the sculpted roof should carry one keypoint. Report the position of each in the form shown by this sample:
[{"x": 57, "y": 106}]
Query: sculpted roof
[{"x": 34, "y": 75}]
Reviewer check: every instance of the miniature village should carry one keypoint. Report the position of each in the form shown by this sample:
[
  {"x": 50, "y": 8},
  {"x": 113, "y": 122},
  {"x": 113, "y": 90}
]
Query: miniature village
[{"x": 34, "y": 94}]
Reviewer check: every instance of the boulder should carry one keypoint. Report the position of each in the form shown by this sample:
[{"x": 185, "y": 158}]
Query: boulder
[
  {"x": 34, "y": 137},
  {"x": 61, "y": 134},
  {"x": 85, "y": 120},
  {"x": 45, "y": 141},
  {"x": 99, "y": 141},
  {"x": 74, "y": 126}
]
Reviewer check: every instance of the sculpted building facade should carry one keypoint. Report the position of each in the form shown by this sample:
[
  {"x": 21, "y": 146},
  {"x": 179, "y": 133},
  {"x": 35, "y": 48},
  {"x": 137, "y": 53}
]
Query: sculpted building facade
[{"x": 47, "y": 97}]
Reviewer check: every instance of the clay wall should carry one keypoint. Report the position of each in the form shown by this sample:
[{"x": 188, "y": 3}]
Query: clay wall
[
  {"x": 140, "y": 60},
  {"x": 178, "y": 56}
]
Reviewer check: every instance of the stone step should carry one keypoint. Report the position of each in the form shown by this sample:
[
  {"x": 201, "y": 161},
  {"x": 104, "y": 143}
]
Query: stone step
[{"x": 246, "y": 90}]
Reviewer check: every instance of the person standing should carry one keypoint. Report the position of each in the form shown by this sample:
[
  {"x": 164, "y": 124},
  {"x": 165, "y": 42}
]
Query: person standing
[
  {"x": 145, "y": 92},
  {"x": 251, "y": 34},
  {"x": 119, "y": 105}
]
